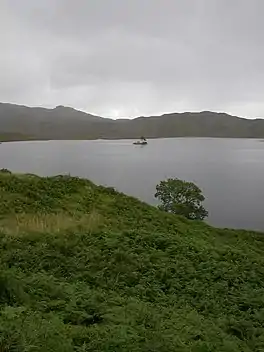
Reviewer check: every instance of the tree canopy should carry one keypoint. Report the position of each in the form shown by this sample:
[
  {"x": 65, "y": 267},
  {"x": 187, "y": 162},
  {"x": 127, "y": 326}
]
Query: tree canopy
[{"x": 181, "y": 197}]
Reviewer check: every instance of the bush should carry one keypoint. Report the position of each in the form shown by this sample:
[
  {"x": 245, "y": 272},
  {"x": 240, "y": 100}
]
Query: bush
[
  {"x": 181, "y": 197},
  {"x": 5, "y": 171}
]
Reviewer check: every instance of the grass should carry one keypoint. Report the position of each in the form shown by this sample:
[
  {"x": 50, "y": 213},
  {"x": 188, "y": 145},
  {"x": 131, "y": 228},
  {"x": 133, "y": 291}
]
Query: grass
[
  {"x": 15, "y": 137},
  {"x": 85, "y": 268},
  {"x": 20, "y": 224}
]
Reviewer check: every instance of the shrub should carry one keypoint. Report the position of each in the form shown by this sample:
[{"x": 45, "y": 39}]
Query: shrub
[{"x": 181, "y": 197}]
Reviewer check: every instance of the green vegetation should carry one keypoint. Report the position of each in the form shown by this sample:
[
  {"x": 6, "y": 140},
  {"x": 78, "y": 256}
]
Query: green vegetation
[
  {"x": 181, "y": 198},
  {"x": 84, "y": 268},
  {"x": 15, "y": 137}
]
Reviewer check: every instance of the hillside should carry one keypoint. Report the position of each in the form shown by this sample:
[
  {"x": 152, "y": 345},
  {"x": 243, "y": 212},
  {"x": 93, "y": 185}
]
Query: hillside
[
  {"x": 84, "y": 268},
  {"x": 41, "y": 123},
  {"x": 20, "y": 122}
]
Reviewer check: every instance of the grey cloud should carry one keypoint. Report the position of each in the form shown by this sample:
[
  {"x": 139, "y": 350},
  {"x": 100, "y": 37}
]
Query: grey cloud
[{"x": 127, "y": 58}]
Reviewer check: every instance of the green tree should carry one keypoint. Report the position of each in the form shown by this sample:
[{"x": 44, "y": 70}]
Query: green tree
[{"x": 181, "y": 197}]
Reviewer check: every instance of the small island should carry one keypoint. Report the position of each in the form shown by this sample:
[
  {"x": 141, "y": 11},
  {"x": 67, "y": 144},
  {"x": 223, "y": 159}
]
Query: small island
[{"x": 142, "y": 141}]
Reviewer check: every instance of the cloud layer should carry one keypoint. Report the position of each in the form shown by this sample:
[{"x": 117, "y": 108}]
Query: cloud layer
[{"x": 127, "y": 58}]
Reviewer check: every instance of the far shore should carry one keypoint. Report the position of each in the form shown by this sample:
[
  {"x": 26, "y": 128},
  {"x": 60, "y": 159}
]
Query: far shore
[{"x": 115, "y": 139}]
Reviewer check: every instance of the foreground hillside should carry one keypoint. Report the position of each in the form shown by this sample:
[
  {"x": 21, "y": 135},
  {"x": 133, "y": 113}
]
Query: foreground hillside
[
  {"x": 25, "y": 123},
  {"x": 84, "y": 268}
]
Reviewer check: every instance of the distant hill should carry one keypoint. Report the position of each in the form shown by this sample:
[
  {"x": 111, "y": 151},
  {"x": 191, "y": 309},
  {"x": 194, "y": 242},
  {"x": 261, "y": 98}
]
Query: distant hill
[
  {"x": 41, "y": 123},
  {"x": 20, "y": 122}
]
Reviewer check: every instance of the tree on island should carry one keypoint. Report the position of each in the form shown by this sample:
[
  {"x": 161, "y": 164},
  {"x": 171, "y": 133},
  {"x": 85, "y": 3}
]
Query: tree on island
[{"x": 182, "y": 198}]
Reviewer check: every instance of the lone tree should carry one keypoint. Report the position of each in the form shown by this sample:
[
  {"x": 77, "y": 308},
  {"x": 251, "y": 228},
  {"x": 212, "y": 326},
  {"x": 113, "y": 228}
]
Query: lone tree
[{"x": 181, "y": 197}]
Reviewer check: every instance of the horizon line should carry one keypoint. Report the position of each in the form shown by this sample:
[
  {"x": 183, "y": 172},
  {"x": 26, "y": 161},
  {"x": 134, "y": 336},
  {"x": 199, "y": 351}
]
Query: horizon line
[{"x": 114, "y": 118}]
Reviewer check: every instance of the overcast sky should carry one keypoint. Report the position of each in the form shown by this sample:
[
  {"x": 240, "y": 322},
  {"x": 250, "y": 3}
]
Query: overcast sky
[{"x": 124, "y": 58}]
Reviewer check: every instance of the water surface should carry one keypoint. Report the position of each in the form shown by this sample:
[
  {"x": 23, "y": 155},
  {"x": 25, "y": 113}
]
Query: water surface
[{"x": 229, "y": 171}]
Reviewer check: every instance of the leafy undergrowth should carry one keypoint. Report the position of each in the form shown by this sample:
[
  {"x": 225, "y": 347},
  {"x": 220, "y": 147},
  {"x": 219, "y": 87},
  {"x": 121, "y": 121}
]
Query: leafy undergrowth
[{"x": 84, "y": 268}]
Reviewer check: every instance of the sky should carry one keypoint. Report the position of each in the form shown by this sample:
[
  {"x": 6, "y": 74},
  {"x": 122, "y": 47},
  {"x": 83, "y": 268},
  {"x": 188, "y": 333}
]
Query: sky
[{"x": 126, "y": 58}]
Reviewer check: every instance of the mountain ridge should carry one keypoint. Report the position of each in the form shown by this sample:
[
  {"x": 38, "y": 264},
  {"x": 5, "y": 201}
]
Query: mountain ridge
[{"x": 63, "y": 122}]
